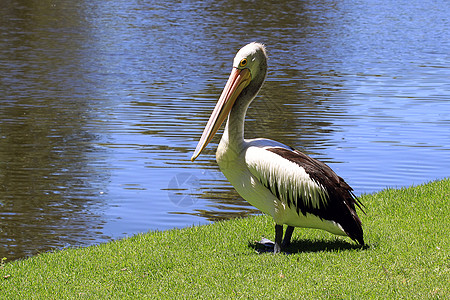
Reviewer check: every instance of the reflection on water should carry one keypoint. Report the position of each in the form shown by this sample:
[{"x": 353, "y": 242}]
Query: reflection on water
[{"x": 102, "y": 104}]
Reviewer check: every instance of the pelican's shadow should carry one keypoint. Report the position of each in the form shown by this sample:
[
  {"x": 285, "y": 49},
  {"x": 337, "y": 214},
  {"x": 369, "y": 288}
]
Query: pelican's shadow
[{"x": 300, "y": 246}]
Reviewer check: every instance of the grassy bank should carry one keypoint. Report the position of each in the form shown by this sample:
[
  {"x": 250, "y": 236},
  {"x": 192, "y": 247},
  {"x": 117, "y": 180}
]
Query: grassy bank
[{"x": 408, "y": 256}]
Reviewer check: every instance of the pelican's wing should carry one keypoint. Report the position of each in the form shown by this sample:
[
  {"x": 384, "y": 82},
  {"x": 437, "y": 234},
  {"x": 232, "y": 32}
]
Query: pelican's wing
[{"x": 306, "y": 184}]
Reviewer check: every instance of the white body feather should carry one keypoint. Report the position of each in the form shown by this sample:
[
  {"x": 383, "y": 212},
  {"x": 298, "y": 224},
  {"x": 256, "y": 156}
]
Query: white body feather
[{"x": 251, "y": 164}]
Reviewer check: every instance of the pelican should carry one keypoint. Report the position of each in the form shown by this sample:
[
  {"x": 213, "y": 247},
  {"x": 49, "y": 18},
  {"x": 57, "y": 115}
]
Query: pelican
[{"x": 293, "y": 188}]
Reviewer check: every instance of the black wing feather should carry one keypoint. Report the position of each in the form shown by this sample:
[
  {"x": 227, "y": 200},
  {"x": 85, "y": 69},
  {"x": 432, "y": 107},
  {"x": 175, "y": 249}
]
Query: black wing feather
[{"x": 341, "y": 200}]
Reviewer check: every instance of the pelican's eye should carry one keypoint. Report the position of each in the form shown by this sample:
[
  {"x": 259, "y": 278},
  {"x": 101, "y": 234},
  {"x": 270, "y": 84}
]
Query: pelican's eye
[{"x": 243, "y": 62}]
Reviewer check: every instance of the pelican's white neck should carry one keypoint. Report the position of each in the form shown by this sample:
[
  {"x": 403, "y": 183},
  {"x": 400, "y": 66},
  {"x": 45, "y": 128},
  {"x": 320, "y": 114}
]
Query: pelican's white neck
[
  {"x": 233, "y": 135},
  {"x": 232, "y": 142},
  {"x": 234, "y": 128}
]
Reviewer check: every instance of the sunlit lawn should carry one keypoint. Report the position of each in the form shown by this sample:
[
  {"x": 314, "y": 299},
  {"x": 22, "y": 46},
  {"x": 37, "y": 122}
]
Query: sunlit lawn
[{"x": 407, "y": 256}]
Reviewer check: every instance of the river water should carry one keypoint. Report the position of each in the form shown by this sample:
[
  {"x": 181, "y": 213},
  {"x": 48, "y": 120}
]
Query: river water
[{"x": 102, "y": 104}]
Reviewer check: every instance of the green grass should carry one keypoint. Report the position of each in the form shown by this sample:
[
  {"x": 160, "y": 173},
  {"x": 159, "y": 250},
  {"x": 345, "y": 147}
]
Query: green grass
[{"x": 407, "y": 256}]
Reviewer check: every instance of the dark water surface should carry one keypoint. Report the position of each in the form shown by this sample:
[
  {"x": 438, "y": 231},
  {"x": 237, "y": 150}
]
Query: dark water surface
[{"x": 102, "y": 104}]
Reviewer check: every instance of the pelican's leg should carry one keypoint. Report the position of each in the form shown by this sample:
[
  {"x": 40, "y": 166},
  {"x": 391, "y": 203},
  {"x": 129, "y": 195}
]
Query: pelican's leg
[
  {"x": 287, "y": 237},
  {"x": 278, "y": 238}
]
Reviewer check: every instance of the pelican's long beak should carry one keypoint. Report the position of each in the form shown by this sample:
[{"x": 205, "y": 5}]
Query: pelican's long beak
[{"x": 238, "y": 80}]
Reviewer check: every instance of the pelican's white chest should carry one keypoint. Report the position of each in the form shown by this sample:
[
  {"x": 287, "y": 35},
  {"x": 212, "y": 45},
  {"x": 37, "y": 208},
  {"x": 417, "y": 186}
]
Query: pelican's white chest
[{"x": 231, "y": 161}]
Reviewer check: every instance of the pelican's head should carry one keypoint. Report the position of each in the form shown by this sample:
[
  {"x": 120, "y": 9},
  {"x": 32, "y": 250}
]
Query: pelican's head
[
  {"x": 252, "y": 57},
  {"x": 247, "y": 77}
]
